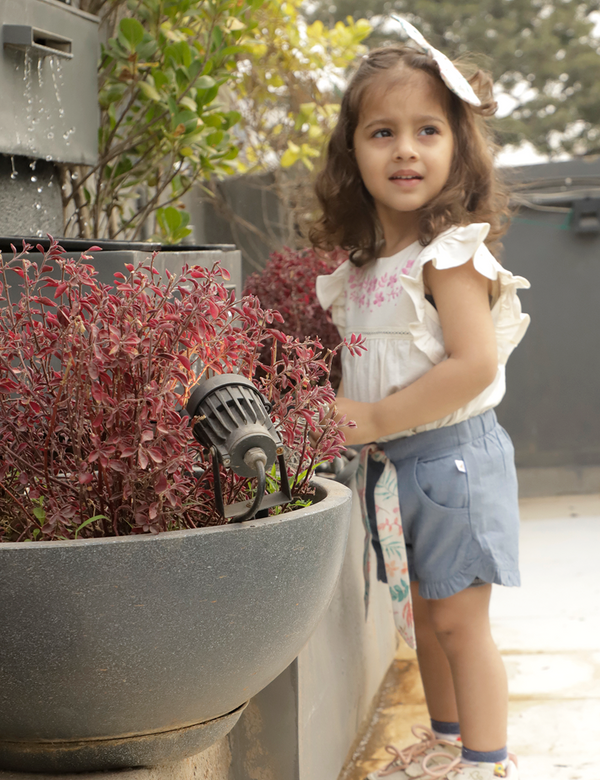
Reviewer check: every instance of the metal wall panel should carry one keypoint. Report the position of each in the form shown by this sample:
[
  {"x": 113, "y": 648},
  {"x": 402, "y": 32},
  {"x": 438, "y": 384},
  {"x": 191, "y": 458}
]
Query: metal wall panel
[
  {"x": 49, "y": 81},
  {"x": 552, "y": 405}
]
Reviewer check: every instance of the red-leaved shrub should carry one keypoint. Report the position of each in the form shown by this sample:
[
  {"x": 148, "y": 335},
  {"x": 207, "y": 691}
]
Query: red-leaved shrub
[
  {"x": 93, "y": 380},
  {"x": 287, "y": 284}
]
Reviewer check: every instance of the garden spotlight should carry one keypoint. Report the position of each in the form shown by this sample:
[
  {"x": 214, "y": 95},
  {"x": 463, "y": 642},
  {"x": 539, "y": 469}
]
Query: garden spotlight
[{"x": 231, "y": 418}]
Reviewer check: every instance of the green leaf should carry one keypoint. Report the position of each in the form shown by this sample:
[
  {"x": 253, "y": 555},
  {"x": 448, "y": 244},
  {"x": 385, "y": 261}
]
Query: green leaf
[
  {"x": 206, "y": 96},
  {"x": 204, "y": 82},
  {"x": 169, "y": 218},
  {"x": 231, "y": 153},
  {"x": 187, "y": 119},
  {"x": 89, "y": 521},
  {"x": 111, "y": 95},
  {"x": 230, "y": 51},
  {"x": 214, "y": 139},
  {"x": 217, "y": 37},
  {"x": 160, "y": 79},
  {"x": 173, "y": 224},
  {"x": 232, "y": 118},
  {"x": 194, "y": 69},
  {"x": 123, "y": 166},
  {"x": 149, "y": 90},
  {"x": 187, "y": 102},
  {"x": 147, "y": 49},
  {"x": 131, "y": 33},
  {"x": 289, "y": 157},
  {"x": 172, "y": 105},
  {"x": 213, "y": 120},
  {"x": 180, "y": 53}
]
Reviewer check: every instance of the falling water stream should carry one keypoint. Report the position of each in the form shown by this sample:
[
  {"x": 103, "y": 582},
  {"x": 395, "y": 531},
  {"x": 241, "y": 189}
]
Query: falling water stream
[
  {"x": 41, "y": 113},
  {"x": 43, "y": 119}
]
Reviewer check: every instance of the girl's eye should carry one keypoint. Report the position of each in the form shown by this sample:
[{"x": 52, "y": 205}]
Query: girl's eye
[
  {"x": 382, "y": 133},
  {"x": 430, "y": 130}
]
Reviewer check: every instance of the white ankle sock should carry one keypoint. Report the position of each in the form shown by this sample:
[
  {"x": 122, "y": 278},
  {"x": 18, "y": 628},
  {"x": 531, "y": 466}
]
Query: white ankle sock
[{"x": 447, "y": 737}]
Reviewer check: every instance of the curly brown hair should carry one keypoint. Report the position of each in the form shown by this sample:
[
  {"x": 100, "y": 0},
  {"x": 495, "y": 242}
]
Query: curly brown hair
[{"x": 473, "y": 192}]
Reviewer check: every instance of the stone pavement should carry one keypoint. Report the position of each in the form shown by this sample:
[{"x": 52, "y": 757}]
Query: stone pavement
[{"x": 549, "y": 634}]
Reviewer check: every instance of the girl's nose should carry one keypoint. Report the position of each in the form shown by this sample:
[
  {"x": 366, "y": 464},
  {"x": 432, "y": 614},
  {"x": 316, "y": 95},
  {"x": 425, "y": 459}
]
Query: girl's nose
[{"x": 404, "y": 148}]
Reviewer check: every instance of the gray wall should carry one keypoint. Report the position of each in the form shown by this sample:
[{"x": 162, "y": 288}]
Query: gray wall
[
  {"x": 305, "y": 724},
  {"x": 251, "y": 199},
  {"x": 50, "y": 102},
  {"x": 552, "y": 406}
]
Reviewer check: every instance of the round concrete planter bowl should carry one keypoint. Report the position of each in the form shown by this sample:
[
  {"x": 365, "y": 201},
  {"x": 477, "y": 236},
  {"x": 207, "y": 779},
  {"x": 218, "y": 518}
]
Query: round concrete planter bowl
[{"x": 134, "y": 651}]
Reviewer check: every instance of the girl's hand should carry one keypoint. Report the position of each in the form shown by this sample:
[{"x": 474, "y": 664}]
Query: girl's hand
[
  {"x": 357, "y": 412},
  {"x": 350, "y": 411},
  {"x": 314, "y": 436}
]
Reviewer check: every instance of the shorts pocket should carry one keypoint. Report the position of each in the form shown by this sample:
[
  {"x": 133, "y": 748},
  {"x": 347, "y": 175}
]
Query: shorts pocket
[{"x": 443, "y": 481}]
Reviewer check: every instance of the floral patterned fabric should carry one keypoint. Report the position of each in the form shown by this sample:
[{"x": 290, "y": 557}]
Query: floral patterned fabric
[
  {"x": 371, "y": 293},
  {"x": 391, "y": 538}
]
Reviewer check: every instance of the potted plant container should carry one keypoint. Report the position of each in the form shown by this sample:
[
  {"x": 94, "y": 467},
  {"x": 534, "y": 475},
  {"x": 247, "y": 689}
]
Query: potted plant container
[
  {"x": 138, "y": 650},
  {"x": 109, "y": 257},
  {"x": 136, "y": 623}
]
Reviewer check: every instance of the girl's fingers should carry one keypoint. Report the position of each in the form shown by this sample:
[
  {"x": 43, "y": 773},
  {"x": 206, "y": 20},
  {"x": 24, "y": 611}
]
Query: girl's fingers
[{"x": 314, "y": 436}]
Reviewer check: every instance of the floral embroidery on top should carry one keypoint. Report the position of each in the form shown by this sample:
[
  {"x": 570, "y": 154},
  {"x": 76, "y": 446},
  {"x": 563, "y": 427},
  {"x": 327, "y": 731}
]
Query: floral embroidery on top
[{"x": 373, "y": 292}]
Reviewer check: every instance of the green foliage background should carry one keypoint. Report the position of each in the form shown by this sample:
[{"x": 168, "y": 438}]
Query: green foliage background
[
  {"x": 162, "y": 66},
  {"x": 194, "y": 91},
  {"x": 541, "y": 52}
]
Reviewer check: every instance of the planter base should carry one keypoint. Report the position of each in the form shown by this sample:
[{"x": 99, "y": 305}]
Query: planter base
[{"x": 106, "y": 754}]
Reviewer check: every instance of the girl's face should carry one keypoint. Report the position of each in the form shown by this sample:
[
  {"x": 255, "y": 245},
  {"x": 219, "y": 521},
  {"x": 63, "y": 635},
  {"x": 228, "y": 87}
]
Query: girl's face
[{"x": 403, "y": 144}]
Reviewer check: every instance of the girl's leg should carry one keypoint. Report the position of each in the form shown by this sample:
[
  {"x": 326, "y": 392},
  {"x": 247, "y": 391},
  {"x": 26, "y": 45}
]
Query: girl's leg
[
  {"x": 433, "y": 664},
  {"x": 462, "y": 628}
]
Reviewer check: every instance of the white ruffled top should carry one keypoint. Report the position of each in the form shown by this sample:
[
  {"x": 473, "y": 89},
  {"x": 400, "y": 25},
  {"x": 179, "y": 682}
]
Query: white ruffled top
[{"x": 385, "y": 302}]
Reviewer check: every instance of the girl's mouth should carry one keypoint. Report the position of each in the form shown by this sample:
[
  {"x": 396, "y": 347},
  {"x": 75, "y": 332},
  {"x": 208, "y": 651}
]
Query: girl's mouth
[
  {"x": 406, "y": 180},
  {"x": 406, "y": 177}
]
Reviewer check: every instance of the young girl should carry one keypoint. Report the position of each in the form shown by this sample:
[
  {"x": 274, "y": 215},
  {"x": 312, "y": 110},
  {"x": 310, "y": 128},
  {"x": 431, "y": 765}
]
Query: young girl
[{"x": 409, "y": 187}]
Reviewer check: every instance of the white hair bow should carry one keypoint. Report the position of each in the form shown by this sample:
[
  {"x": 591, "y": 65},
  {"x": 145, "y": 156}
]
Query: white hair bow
[{"x": 451, "y": 76}]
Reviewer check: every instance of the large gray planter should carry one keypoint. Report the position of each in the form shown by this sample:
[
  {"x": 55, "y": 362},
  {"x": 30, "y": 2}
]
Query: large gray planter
[
  {"x": 115, "y": 254},
  {"x": 139, "y": 650}
]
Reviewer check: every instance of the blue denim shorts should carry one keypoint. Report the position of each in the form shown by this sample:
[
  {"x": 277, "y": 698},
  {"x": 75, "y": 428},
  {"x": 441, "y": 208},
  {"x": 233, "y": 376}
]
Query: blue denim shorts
[{"x": 458, "y": 503}]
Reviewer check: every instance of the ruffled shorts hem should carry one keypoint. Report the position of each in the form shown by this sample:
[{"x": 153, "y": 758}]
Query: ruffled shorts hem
[{"x": 445, "y": 588}]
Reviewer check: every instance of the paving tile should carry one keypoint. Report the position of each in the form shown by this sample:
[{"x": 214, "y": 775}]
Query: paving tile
[
  {"x": 556, "y": 739},
  {"x": 548, "y": 675},
  {"x": 549, "y": 634}
]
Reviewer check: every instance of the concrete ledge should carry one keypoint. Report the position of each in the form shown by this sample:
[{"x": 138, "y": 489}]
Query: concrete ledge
[{"x": 558, "y": 481}]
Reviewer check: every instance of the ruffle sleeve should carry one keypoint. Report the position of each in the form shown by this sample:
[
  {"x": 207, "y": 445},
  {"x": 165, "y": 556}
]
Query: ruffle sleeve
[
  {"x": 331, "y": 293},
  {"x": 453, "y": 248}
]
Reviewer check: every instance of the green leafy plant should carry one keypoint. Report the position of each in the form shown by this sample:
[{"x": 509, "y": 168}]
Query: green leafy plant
[
  {"x": 291, "y": 77},
  {"x": 162, "y": 127}
]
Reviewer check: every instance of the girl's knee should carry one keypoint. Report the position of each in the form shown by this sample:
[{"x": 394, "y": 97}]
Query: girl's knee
[
  {"x": 446, "y": 623},
  {"x": 459, "y": 615}
]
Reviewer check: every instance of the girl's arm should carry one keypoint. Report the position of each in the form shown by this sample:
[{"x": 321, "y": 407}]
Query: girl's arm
[{"x": 462, "y": 300}]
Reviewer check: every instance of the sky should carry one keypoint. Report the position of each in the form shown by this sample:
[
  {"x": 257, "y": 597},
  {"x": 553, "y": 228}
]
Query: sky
[{"x": 525, "y": 154}]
